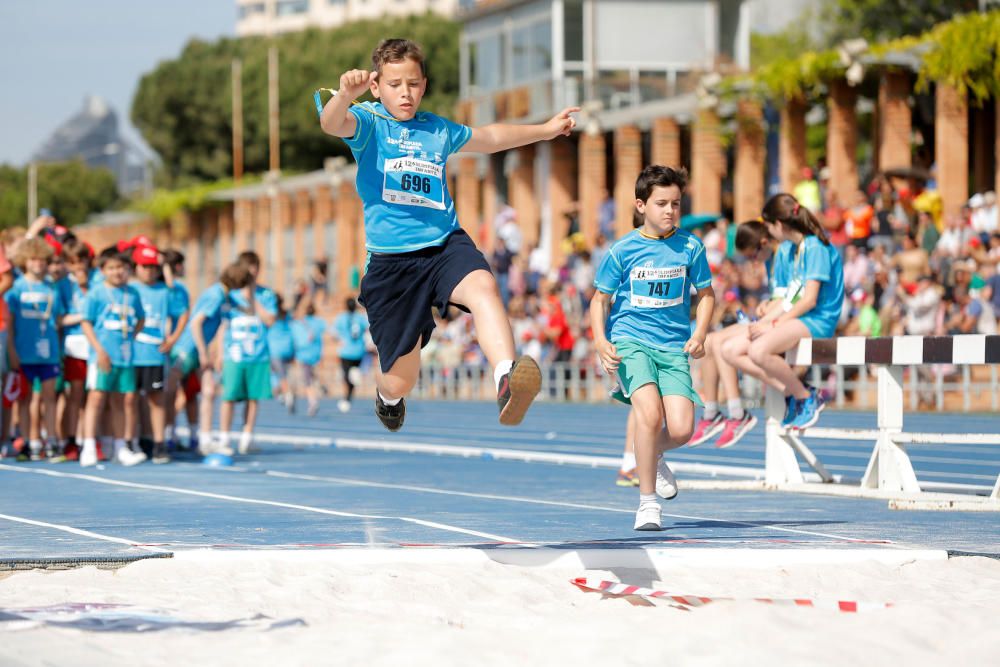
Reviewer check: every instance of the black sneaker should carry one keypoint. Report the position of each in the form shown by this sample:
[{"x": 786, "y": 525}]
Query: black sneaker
[
  {"x": 391, "y": 416},
  {"x": 518, "y": 389},
  {"x": 160, "y": 454}
]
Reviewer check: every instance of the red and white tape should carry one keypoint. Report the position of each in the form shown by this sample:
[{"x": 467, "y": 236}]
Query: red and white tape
[{"x": 616, "y": 588}]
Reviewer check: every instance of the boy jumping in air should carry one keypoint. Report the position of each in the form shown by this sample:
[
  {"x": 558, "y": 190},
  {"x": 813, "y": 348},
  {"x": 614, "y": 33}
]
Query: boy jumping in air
[
  {"x": 649, "y": 274},
  {"x": 419, "y": 257}
]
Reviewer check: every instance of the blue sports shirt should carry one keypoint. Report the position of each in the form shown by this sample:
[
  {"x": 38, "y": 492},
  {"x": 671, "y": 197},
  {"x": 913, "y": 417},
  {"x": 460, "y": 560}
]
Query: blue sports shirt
[
  {"x": 35, "y": 306},
  {"x": 350, "y": 329},
  {"x": 651, "y": 280},
  {"x": 781, "y": 264},
  {"x": 279, "y": 339},
  {"x": 246, "y": 335},
  {"x": 161, "y": 308},
  {"x": 114, "y": 313},
  {"x": 401, "y": 177},
  {"x": 307, "y": 334},
  {"x": 214, "y": 305},
  {"x": 813, "y": 260}
]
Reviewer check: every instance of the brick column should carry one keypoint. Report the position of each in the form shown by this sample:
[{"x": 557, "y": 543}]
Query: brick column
[
  {"x": 592, "y": 184},
  {"x": 628, "y": 164},
  {"x": 350, "y": 235},
  {"x": 750, "y": 166},
  {"x": 226, "y": 234},
  {"x": 466, "y": 170},
  {"x": 895, "y": 121},
  {"x": 302, "y": 216},
  {"x": 792, "y": 142},
  {"x": 523, "y": 197},
  {"x": 562, "y": 193},
  {"x": 842, "y": 140},
  {"x": 262, "y": 224},
  {"x": 981, "y": 150},
  {"x": 666, "y": 142},
  {"x": 244, "y": 213},
  {"x": 488, "y": 231},
  {"x": 708, "y": 164},
  {"x": 951, "y": 149},
  {"x": 324, "y": 210}
]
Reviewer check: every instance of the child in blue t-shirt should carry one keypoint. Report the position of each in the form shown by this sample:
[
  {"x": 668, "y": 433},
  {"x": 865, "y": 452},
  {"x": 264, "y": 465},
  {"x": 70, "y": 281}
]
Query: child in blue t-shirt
[
  {"x": 76, "y": 349},
  {"x": 810, "y": 307},
  {"x": 349, "y": 328},
  {"x": 307, "y": 337},
  {"x": 647, "y": 336},
  {"x": 419, "y": 258},
  {"x": 112, "y": 316},
  {"x": 35, "y": 311},
  {"x": 282, "y": 349}
]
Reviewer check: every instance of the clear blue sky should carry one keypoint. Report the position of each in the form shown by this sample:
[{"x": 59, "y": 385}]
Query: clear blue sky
[{"x": 55, "y": 52}]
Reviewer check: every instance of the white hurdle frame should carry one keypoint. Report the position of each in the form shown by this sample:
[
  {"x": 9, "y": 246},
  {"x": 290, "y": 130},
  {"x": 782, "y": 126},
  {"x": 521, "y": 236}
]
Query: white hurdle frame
[{"x": 889, "y": 471}]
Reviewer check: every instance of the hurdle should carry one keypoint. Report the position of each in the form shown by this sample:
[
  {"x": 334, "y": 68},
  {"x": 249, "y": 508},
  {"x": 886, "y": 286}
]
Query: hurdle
[{"x": 889, "y": 471}]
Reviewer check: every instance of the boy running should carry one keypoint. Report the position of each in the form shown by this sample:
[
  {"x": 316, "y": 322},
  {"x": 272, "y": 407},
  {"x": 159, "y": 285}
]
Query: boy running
[
  {"x": 648, "y": 336},
  {"x": 419, "y": 257}
]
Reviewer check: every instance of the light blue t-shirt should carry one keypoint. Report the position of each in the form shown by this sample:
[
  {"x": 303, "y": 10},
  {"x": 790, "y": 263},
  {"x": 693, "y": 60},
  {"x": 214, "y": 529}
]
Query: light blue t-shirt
[
  {"x": 350, "y": 329},
  {"x": 180, "y": 300},
  {"x": 651, "y": 280},
  {"x": 114, "y": 313},
  {"x": 279, "y": 339},
  {"x": 214, "y": 305},
  {"x": 246, "y": 335},
  {"x": 35, "y": 306},
  {"x": 307, "y": 334},
  {"x": 161, "y": 308},
  {"x": 816, "y": 261},
  {"x": 401, "y": 177},
  {"x": 74, "y": 306},
  {"x": 64, "y": 288},
  {"x": 781, "y": 264}
]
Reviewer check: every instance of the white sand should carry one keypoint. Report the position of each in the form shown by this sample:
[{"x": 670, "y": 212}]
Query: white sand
[{"x": 492, "y": 614}]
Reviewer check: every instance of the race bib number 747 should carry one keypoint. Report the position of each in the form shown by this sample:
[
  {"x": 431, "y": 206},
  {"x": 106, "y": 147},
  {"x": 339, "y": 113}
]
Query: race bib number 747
[
  {"x": 413, "y": 182},
  {"x": 658, "y": 287}
]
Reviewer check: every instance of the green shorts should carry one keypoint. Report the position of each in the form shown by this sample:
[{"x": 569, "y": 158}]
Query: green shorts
[
  {"x": 246, "y": 381},
  {"x": 187, "y": 362},
  {"x": 119, "y": 380},
  {"x": 642, "y": 365}
]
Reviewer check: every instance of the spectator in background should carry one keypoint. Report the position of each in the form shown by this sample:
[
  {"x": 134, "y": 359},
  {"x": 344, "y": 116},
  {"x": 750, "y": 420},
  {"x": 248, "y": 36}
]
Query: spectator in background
[
  {"x": 866, "y": 321},
  {"x": 349, "y": 328},
  {"x": 501, "y": 261},
  {"x": 538, "y": 266},
  {"x": 833, "y": 219},
  {"x": 910, "y": 262},
  {"x": 319, "y": 282},
  {"x": 858, "y": 220},
  {"x": 806, "y": 191},
  {"x": 606, "y": 215},
  {"x": 507, "y": 229},
  {"x": 955, "y": 237},
  {"x": 857, "y": 268},
  {"x": 972, "y": 316}
]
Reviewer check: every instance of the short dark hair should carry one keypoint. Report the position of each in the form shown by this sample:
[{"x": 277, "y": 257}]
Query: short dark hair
[
  {"x": 396, "y": 51},
  {"x": 77, "y": 251},
  {"x": 248, "y": 258},
  {"x": 235, "y": 276},
  {"x": 656, "y": 175},
  {"x": 172, "y": 257},
  {"x": 113, "y": 254}
]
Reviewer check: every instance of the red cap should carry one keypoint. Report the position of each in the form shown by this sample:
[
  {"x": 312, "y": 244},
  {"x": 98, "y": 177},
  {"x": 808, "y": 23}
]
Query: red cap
[
  {"x": 142, "y": 240},
  {"x": 55, "y": 244},
  {"x": 146, "y": 255},
  {"x": 124, "y": 245}
]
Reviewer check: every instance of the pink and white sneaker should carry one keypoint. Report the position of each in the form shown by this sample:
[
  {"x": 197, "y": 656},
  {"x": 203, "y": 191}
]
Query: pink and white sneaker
[
  {"x": 735, "y": 429},
  {"x": 706, "y": 428}
]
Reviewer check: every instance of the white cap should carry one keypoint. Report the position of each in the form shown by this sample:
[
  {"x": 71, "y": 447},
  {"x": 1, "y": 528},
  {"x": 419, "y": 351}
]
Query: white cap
[{"x": 976, "y": 201}]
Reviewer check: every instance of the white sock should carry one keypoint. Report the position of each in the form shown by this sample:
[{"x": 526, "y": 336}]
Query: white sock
[
  {"x": 90, "y": 444},
  {"x": 394, "y": 401},
  {"x": 224, "y": 438},
  {"x": 246, "y": 439},
  {"x": 648, "y": 499},
  {"x": 502, "y": 369},
  {"x": 711, "y": 409},
  {"x": 735, "y": 408},
  {"x": 628, "y": 461},
  {"x": 36, "y": 446}
]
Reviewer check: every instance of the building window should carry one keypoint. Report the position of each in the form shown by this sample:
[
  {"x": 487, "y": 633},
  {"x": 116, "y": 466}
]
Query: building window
[
  {"x": 246, "y": 11},
  {"x": 288, "y": 7},
  {"x": 532, "y": 52},
  {"x": 573, "y": 30},
  {"x": 486, "y": 61}
]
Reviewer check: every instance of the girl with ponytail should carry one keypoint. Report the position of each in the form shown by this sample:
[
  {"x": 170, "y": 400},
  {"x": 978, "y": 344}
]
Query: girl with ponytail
[
  {"x": 810, "y": 307},
  {"x": 756, "y": 241}
]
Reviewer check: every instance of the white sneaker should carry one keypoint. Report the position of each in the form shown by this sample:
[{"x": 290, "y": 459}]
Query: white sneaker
[
  {"x": 648, "y": 517},
  {"x": 88, "y": 457},
  {"x": 666, "y": 484},
  {"x": 225, "y": 449},
  {"x": 344, "y": 405},
  {"x": 127, "y": 457},
  {"x": 246, "y": 445},
  {"x": 354, "y": 375}
]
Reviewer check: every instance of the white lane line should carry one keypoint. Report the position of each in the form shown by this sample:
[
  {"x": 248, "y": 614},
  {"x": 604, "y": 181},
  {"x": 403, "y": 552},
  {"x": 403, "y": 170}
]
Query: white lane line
[
  {"x": 81, "y": 532},
  {"x": 538, "y": 501},
  {"x": 257, "y": 501}
]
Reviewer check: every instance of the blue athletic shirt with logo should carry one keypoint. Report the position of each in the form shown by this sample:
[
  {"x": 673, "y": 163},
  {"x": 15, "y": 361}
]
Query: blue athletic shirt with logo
[
  {"x": 778, "y": 272},
  {"x": 350, "y": 329},
  {"x": 307, "y": 334},
  {"x": 279, "y": 339},
  {"x": 35, "y": 306},
  {"x": 814, "y": 260},
  {"x": 401, "y": 177},
  {"x": 213, "y": 304},
  {"x": 651, "y": 280},
  {"x": 180, "y": 300},
  {"x": 74, "y": 306},
  {"x": 114, "y": 313},
  {"x": 161, "y": 308},
  {"x": 246, "y": 335}
]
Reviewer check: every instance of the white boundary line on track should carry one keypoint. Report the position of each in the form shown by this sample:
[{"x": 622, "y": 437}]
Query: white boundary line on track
[
  {"x": 257, "y": 501},
  {"x": 82, "y": 533}
]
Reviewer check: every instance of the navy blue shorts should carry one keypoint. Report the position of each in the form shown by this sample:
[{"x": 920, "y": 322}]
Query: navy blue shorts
[
  {"x": 399, "y": 291},
  {"x": 40, "y": 372}
]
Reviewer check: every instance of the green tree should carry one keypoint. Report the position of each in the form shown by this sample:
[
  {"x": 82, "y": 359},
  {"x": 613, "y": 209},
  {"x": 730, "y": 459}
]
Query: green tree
[
  {"x": 886, "y": 19},
  {"x": 183, "y": 106},
  {"x": 71, "y": 190}
]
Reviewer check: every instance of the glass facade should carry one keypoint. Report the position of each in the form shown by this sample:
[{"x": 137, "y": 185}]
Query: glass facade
[
  {"x": 532, "y": 51},
  {"x": 288, "y": 7}
]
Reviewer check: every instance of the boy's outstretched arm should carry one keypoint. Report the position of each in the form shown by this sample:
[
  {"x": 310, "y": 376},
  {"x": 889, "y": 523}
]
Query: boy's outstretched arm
[
  {"x": 502, "y": 136},
  {"x": 702, "y": 320},
  {"x": 335, "y": 119}
]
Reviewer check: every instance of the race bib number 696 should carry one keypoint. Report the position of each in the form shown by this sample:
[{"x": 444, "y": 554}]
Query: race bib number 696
[{"x": 413, "y": 182}]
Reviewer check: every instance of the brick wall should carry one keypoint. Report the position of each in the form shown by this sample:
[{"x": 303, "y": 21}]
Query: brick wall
[
  {"x": 895, "y": 121},
  {"x": 951, "y": 151},
  {"x": 842, "y": 140},
  {"x": 751, "y": 157},
  {"x": 792, "y": 143},
  {"x": 666, "y": 142},
  {"x": 592, "y": 182},
  {"x": 708, "y": 164},
  {"x": 628, "y": 165}
]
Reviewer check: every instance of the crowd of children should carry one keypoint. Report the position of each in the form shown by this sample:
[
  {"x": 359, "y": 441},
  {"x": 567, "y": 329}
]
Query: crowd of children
[{"x": 103, "y": 350}]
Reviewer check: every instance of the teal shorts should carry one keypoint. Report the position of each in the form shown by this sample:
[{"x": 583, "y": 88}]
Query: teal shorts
[
  {"x": 246, "y": 381},
  {"x": 187, "y": 362},
  {"x": 642, "y": 365},
  {"x": 119, "y": 380}
]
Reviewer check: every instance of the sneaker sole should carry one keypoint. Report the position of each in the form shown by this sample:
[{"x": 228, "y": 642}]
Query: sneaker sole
[
  {"x": 709, "y": 434},
  {"x": 811, "y": 422},
  {"x": 525, "y": 383},
  {"x": 740, "y": 432},
  {"x": 651, "y": 527}
]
